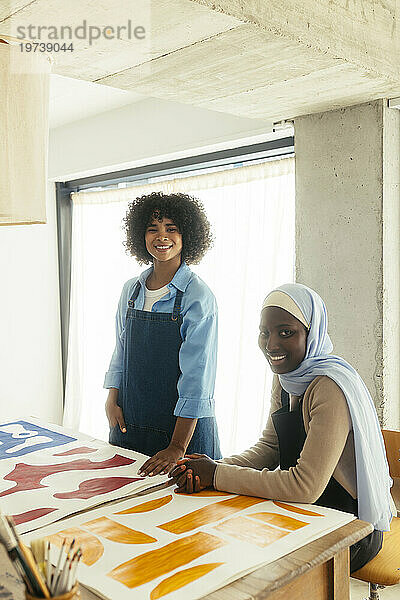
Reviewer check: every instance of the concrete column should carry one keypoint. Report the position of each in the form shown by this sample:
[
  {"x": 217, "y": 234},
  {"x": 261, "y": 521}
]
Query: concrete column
[
  {"x": 347, "y": 237},
  {"x": 391, "y": 267}
]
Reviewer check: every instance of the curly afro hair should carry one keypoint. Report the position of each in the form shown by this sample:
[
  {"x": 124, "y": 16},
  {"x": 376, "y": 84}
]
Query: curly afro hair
[{"x": 185, "y": 211}]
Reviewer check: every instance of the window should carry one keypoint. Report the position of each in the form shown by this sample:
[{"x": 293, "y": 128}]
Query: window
[{"x": 251, "y": 209}]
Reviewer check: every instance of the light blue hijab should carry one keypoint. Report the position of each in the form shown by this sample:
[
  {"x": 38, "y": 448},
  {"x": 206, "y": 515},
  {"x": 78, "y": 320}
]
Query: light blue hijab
[{"x": 373, "y": 479}]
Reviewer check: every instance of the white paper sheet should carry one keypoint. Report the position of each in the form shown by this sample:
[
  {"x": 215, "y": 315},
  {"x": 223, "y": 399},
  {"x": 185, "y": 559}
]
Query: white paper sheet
[
  {"x": 48, "y": 472},
  {"x": 190, "y": 557}
]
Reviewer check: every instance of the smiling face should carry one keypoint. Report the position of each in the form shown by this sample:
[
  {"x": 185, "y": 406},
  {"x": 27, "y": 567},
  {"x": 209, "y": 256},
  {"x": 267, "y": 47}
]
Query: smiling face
[
  {"x": 163, "y": 240},
  {"x": 282, "y": 339}
]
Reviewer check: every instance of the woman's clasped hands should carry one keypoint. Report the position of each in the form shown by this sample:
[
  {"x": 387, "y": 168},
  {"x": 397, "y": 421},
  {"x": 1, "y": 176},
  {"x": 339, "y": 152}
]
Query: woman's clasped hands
[{"x": 193, "y": 473}]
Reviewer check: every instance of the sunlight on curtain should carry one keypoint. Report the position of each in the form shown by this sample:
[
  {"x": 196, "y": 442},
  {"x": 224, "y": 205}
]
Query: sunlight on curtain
[{"x": 251, "y": 210}]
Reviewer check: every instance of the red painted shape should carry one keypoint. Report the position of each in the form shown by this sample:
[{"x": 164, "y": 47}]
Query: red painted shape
[
  {"x": 31, "y": 515},
  {"x": 29, "y": 477},
  {"x": 81, "y": 450},
  {"x": 95, "y": 487}
]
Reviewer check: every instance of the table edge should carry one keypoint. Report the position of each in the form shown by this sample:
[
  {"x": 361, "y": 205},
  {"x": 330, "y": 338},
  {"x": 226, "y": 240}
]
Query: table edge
[{"x": 354, "y": 531}]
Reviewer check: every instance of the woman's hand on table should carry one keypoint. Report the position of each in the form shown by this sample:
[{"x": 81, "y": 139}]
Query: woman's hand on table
[
  {"x": 162, "y": 462},
  {"x": 193, "y": 473}
]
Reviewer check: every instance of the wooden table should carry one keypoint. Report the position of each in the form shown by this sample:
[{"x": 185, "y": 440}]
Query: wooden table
[{"x": 318, "y": 571}]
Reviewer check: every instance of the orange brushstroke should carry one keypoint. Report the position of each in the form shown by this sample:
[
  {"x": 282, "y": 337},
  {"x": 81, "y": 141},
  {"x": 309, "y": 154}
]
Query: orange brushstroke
[
  {"x": 175, "y": 582},
  {"x": 148, "y": 566},
  {"x": 146, "y": 506},
  {"x": 301, "y": 511},
  {"x": 245, "y": 530},
  {"x": 117, "y": 533},
  {"x": 209, "y": 514},
  {"x": 279, "y": 520},
  {"x": 207, "y": 493},
  {"x": 92, "y": 548}
]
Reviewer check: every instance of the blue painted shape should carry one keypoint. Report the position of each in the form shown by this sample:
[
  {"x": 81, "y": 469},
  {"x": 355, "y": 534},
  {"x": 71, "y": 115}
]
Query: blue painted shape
[{"x": 7, "y": 441}]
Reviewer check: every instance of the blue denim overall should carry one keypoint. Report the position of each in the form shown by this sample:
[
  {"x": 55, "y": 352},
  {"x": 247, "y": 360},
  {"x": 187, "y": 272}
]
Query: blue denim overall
[{"x": 148, "y": 392}]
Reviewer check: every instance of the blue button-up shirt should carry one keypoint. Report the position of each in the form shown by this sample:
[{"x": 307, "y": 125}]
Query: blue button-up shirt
[{"x": 198, "y": 351}]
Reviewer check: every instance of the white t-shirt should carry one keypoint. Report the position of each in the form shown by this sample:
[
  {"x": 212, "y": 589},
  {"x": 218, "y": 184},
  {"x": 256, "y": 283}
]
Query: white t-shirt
[{"x": 151, "y": 296}]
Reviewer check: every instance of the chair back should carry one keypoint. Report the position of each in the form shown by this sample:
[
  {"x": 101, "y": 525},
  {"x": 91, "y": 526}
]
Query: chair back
[{"x": 392, "y": 445}]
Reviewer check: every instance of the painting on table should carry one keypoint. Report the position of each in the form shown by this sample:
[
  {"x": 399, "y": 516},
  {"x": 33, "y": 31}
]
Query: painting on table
[
  {"x": 184, "y": 546},
  {"x": 21, "y": 437},
  {"x": 47, "y": 472}
]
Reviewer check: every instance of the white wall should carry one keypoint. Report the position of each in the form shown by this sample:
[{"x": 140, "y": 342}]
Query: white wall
[
  {"x": 30, "y": 357},
  {"x": 147, "y": 131}
]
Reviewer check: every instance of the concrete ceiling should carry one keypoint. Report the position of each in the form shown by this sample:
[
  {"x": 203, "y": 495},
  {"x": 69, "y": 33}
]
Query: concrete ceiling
[{"x": 273, "y": 59}]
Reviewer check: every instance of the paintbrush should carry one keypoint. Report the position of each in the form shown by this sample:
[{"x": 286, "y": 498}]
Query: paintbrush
[
  {"x": 49, "y": 567},
  {"x": 73, "y": 567},
  {"x": 15, "y": 553},
  {"x": 58, "y": 571},
  {"x": 62, "y": 580},
  {"x": 30, "y": 561},
  {"x": 38, "y": 548},
  {"x": 34, "y": 568}
]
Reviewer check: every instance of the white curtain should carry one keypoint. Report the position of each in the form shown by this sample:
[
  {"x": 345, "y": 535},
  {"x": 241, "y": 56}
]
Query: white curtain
[{"x": 251, "y": 210}]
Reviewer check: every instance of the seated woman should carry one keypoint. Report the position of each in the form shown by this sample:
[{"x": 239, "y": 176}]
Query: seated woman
[{"x": 322, "y": 430}]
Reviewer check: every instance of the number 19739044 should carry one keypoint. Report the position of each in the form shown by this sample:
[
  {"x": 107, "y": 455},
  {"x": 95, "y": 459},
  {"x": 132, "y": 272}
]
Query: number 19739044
[{"x": 46, "y": 47}]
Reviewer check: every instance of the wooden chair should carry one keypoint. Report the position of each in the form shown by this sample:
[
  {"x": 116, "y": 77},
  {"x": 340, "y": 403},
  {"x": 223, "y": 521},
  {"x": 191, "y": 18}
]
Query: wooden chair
[
  {"x": 392, "y": 445},
  {"x": 384, "y": 569}
]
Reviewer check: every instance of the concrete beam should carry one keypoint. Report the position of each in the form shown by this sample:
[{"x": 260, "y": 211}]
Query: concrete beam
[
  {"x": 11, "y": 7},
  {"x": 271, "y": 60},
  {"x": 252, "y": 73},
  {"x": 365, "y": 34},
  {"x": 170, "y": 25},
  {"x": 240, "y": 60}
]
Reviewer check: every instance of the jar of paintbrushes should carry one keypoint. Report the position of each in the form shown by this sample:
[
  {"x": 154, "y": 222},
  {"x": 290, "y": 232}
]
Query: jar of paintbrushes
[
  {"x": 42, "y": 579},
  {"x": 74, "y": 594}
]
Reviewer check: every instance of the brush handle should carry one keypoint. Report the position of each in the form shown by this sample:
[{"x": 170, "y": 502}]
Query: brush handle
[
  {"x": 40, "y": 585},
  {"x": 17, "y": 556}
]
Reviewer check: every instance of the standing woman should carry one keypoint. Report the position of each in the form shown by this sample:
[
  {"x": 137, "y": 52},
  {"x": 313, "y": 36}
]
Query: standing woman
[
  {"x": 162, "y": 373},
  {"x": 322, "y": 431}
]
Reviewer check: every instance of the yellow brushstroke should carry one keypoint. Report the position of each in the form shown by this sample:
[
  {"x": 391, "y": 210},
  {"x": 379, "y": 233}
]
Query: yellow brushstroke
[
  {"x": 179, "y": 580},
  {"x": 279, "y": 520},
  {"x": 92, "y": 548},
  {"x": 301, "y": 511},
  {"x": 148, "y": 566},
  {"x": 245, "y": 530},
  {"x": 207, "y": 493},
  {"x": 210, "y": 514},
  {"x": 146, "y": 506},
  {"x": 117, "y": 533}
]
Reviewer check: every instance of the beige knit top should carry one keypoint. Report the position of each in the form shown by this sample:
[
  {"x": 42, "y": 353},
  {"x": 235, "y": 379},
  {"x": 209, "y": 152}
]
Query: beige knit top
[{"x": 328, "y": 450}]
